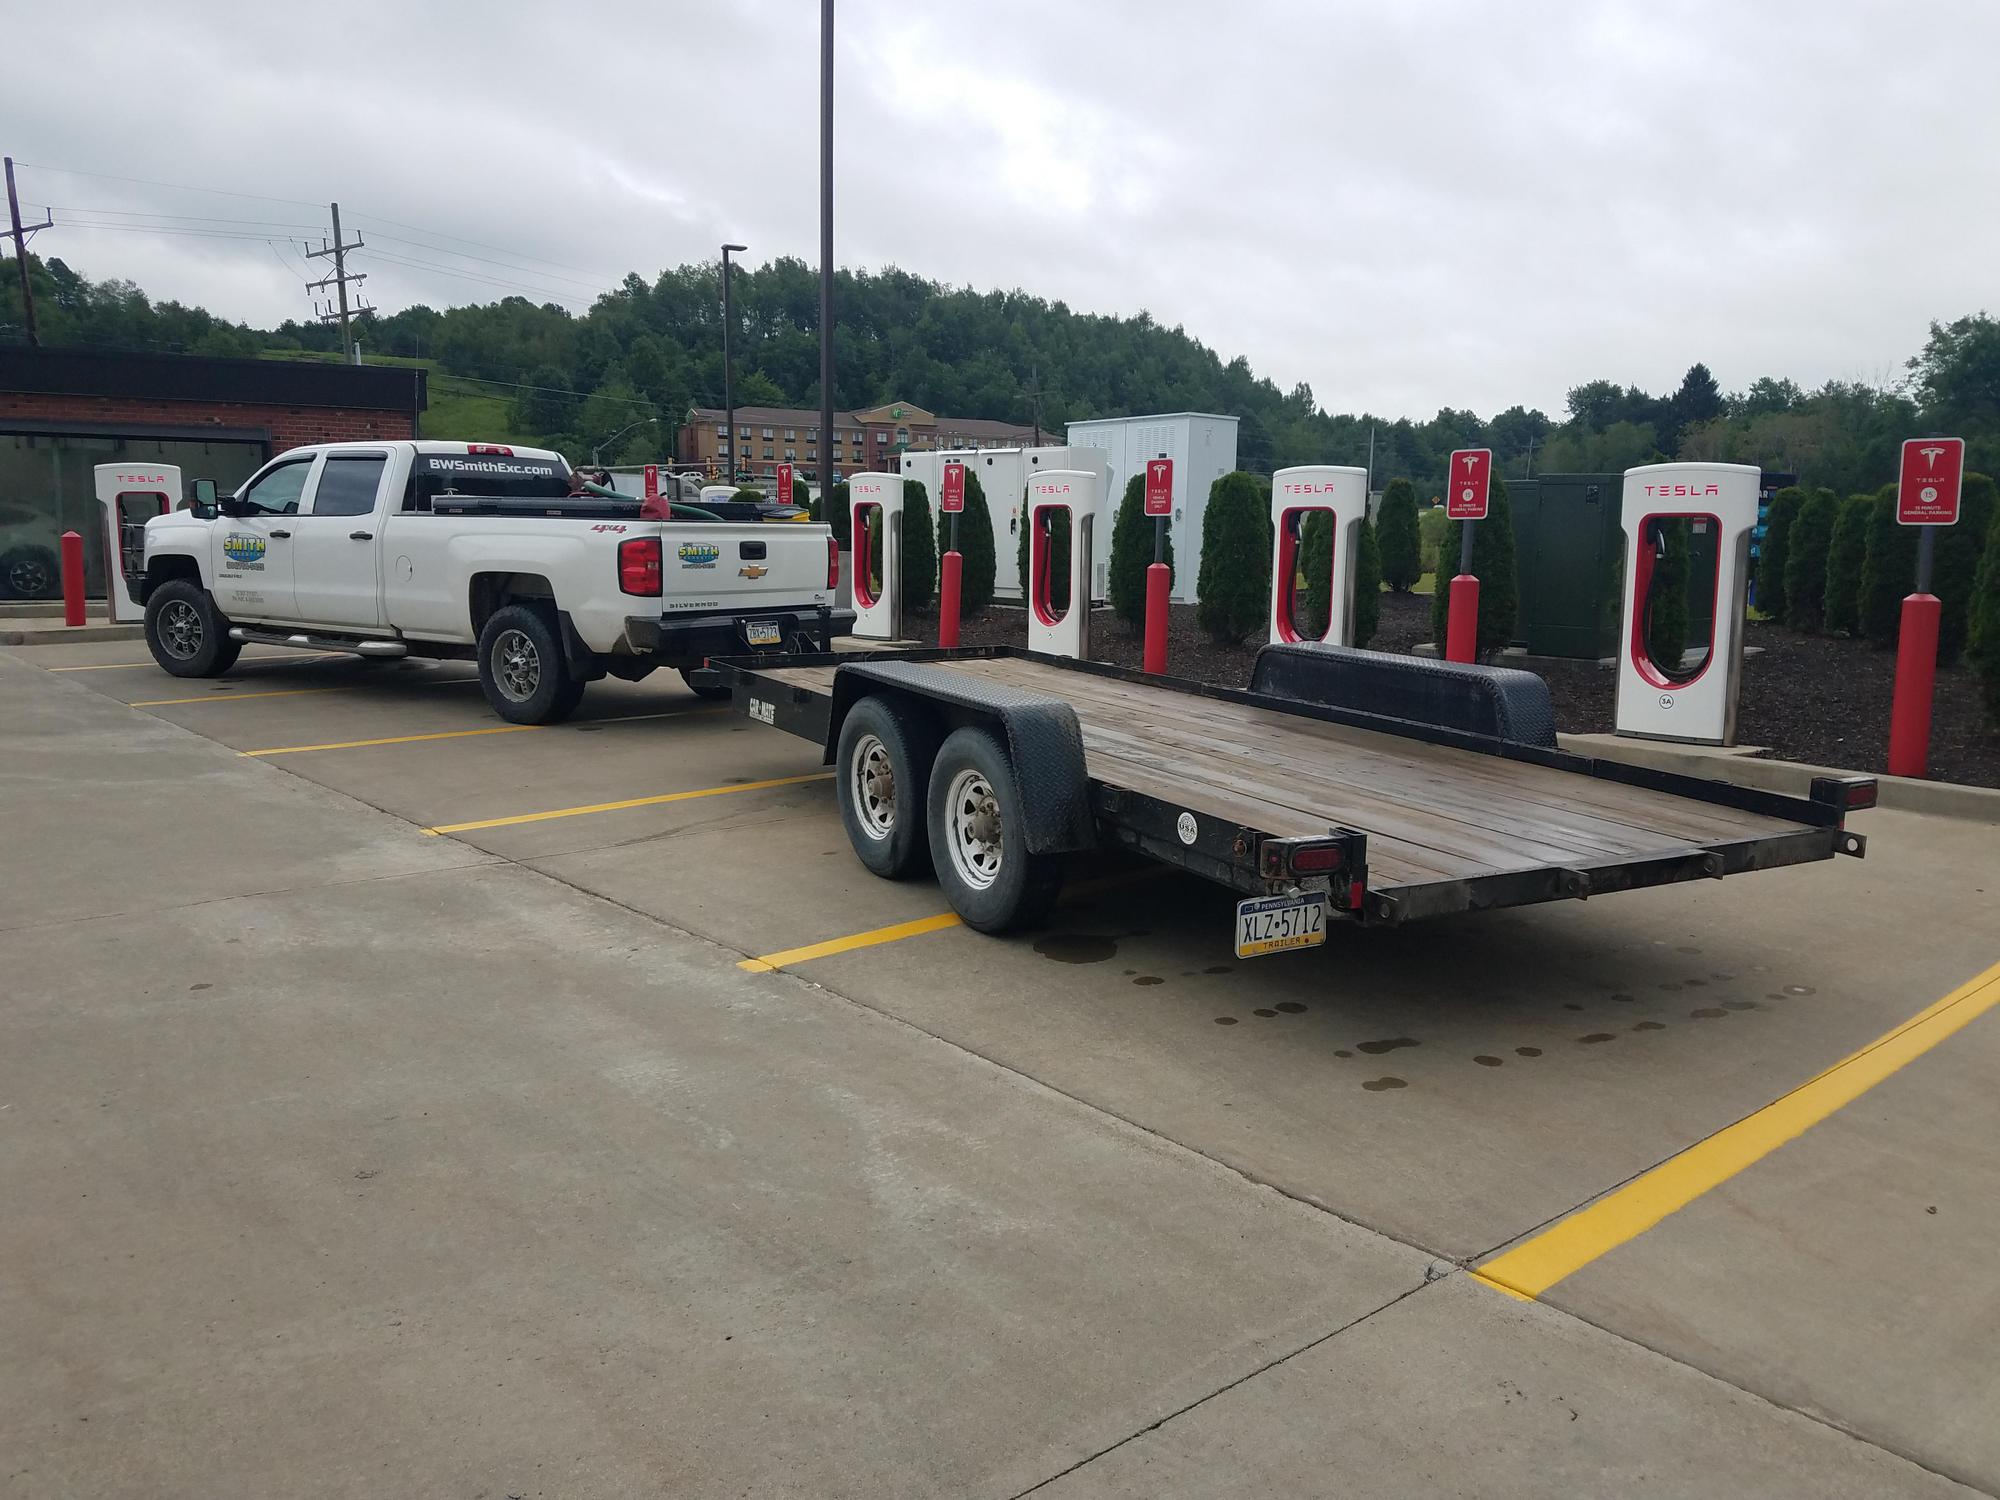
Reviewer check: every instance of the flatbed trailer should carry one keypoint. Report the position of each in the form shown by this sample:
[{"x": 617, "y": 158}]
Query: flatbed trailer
[{"x": 1444, "y": 793}]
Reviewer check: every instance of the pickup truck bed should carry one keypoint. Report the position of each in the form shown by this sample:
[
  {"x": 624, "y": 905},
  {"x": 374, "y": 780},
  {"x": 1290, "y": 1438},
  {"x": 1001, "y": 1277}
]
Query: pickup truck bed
[{"x": 1452, "y": 821}]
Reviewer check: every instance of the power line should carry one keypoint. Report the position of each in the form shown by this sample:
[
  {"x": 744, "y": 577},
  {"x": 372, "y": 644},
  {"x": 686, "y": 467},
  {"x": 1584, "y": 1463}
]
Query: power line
[
  {"x": 147, "y": 213},
  {"x": 179, "y": 187},
  {"x": 439, "y": 234}
]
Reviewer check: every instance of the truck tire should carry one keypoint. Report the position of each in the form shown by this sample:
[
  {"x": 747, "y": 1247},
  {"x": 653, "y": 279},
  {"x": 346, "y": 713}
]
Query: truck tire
[
  {"x": 978, "y": 846},
  {"x": 521, "y": 667},
  {"x": 186, "y": 633},
  {"x": 715, "y": 692},
  {"x": 883, "y": 767}
]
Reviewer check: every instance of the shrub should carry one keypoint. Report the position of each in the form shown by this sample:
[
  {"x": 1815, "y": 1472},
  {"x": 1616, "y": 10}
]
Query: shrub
[
  {"x": 1984, "y": 621},
  {"x": 1367, "y": 583},
  {"x": 1235, "y": 579},
  {"x": 1058, "y": 557},
  {"x": 1888, "y": 571},
  {"x": 831, "y": 509},
  {"x": 1844, "y": 557},
  {"x": 1431, "y": 527},
  {"x": 1955, "y": 568},
  {"x": 1492, "y": 564},
  {"x": 1316, "y": 562},
  {"x": 1667, "y": 619},
  {"x": 975, "y": 546},
  {"x": 1400, "y": 537},
  {"x": 920, "y": 548},
  {"x": 1805, "y": 568},
  {"x": 1132, "y": 554},
  {"x": 1776, "y": 549},
  {"x": 801, "y": 493}
]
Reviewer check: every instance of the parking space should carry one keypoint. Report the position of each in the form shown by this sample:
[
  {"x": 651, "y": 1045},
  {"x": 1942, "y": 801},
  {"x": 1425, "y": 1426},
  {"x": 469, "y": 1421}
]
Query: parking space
[{"x": 1445, "y": 1091}]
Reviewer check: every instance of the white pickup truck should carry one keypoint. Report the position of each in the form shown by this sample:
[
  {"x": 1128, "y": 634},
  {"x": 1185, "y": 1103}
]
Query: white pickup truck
[{"x": 475, "y": 550}]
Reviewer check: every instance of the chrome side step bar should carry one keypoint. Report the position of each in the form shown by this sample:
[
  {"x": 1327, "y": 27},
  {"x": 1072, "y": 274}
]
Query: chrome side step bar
[{"x": 317, "y": 642}]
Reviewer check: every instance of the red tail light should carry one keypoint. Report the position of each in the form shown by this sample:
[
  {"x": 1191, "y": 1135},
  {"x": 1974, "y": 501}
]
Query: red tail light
[
  {"x": 639, "y": 565},
  {"x": 832, "y": 556},
  {"x": 492, "y": 450},
  {"x": 1316, "y": 859}
]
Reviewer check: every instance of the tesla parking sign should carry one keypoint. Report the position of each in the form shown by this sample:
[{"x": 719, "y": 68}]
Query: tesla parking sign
[
  {"x": 1927, "y": 491},
  {"x": 1471, "y": 476},
  {"x": 1160, "y": 487},
  {"x": 952, "y": 495},
  {"x": 782, "y": 490}
]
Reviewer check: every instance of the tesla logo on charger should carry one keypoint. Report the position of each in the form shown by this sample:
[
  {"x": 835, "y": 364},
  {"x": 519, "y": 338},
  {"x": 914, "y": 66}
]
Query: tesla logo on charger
[
  {"x": 1051, "y": 489},
  {"x": 1305, "y": 487},
  {"x": 1683, "y": 491}
]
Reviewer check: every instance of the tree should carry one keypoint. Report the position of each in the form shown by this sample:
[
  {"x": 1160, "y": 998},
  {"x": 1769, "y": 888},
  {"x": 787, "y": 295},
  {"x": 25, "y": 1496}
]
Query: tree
[
  {"x": 975, "y": 546},
  {"x": 1132, "y": 554},
  {"x": 1845, "y": 555},
  {"x": 1399, "y": 538},
  {"x": 1956, "y": 566},
  {"x": 920, "y": 553},
  {"x": 1805, "y": 569},
  {"x": 832, "y": 509},
  {"x": 1957, "y": 383},
  {"x": 1777, "y": 549},
  {"x": 1316, "y": 562},
  {"x": 1666, "y": 610},
  {"x": 1888, "y": 570},
  {"x": 1235, "y": 579},
  {"x": 1698, "y": 400},
  {"x": 1058, "y": 556},
  {"x": 546, "y": 403},
  {"x": 1984, "y": 621},
  {"x": 1492, "y": 564},
  {"x": 801, "y": 493}
]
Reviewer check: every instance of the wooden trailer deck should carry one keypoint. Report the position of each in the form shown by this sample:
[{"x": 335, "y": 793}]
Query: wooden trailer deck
[{"x": 1432, "y": 812}]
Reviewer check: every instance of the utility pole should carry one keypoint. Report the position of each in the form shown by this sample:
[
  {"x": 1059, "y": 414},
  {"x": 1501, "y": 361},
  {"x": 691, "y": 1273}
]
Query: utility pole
[
  {"x": 338, "y": 280},
  {"x": 728, "y": 366},
  {"x": 1035, "y": 395},
  {"x": 826, "y": 264},
  {"x": 21, "y": 234}
]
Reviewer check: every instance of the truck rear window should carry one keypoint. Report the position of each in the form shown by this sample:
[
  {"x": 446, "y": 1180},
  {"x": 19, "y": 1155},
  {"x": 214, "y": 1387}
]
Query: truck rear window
[{"x": 435, "y": 474}]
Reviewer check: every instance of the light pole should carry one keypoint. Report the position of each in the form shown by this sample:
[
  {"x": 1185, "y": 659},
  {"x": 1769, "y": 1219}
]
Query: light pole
[
  {"x": 826, "y": 263},
  {"x": 728, "y": 375},
  {"x": 597, "y": 448}
]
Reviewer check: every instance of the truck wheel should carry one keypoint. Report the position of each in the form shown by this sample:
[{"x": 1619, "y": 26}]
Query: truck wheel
[
  {"x": 978, "y": 845},
  {"x": 883, "y": 763},
  {"x": 705, "y": 687},
  {"x": 521, "y": 667},
  {"x": 186, "y": 632}
]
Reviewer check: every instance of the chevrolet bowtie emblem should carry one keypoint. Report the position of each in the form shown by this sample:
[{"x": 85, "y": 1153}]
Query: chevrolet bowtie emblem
[{"x": 753, "y": 571}]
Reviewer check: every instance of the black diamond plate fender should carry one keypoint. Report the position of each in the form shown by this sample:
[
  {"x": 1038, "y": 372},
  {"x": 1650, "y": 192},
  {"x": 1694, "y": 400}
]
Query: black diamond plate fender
[
  {"x": 1041, "y": 733},
  {"x": 1504, "y": 702}
]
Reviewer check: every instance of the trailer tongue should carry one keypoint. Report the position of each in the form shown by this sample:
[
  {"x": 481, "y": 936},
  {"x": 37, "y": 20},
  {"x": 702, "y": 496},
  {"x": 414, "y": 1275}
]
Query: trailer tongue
[{"x": 1445, "y": 794}]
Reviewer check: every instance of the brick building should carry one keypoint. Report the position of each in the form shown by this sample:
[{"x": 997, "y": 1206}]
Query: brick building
[
  {"x": 767, "y": 436},
  {"x": 64, "y": 411}
]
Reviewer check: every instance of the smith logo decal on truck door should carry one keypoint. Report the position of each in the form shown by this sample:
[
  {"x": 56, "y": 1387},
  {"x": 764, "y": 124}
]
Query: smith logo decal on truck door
[
  {"x": 244, "y": 551},
  {"x": 698, "y": 555}
]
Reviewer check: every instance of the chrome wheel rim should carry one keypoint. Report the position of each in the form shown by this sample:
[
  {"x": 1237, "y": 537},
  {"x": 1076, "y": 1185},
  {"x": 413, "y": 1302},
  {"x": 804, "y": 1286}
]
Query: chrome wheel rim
[
  {"x": 517, "y": 666},
  {"x": 180, "y": 629},
  {"x": 874, "y": 787},
  {"x": 972, "y": 821},
  {"x": 28, "y": 578}
]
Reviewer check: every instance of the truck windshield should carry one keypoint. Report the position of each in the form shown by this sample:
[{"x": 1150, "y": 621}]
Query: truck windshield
[{"x": 435, "y": 474}]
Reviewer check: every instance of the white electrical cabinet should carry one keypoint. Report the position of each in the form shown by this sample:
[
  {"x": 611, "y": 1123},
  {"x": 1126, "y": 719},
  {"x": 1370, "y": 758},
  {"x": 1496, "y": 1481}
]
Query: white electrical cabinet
[
  {"x": 1003, "y": 480},
  {"x": 1203, "y": 448}
]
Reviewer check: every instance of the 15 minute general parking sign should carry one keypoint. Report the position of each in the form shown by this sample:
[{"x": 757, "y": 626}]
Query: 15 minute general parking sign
[
  {"x": 1932, "y": 475},
  {"x": 1471, "y": 477}
]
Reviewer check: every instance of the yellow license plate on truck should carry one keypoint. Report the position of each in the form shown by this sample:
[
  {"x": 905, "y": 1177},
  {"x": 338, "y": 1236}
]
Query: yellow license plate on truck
[
  {"x": 1278, "y": 924},
  {"x": 763, "y": 633}
]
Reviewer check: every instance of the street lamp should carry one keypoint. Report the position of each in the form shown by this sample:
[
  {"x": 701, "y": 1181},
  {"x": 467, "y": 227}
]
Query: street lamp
[
  {"x": 598, "y": 448},
  {"x": 728, "y": 374},
  {"x": 826, "y": 262}
]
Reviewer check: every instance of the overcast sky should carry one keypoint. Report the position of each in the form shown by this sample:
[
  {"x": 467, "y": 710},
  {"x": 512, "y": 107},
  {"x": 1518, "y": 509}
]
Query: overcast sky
[{"x": 1408, "y": 203}]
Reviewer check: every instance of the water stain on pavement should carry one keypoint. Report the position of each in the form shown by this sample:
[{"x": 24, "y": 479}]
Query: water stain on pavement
[
  {"x": 1387, "y": 1044},
  {"x": 1076, "y": 947},
  {"x": 1598, "y": 1036},
  {"x": 1377, "y": 1085},
  {"x": 1708, "y": 1013}
]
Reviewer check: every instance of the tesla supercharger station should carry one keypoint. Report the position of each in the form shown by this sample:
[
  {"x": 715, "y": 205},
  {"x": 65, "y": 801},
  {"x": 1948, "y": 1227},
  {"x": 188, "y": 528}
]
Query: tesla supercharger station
[
  {"x": 1296, "y": 495},
  {"x": 878, "y": 606},
  {"x": 1079, "y": 493},
  {"x": 128, "y": 496},
  {"x": 1695, "y": 703}
]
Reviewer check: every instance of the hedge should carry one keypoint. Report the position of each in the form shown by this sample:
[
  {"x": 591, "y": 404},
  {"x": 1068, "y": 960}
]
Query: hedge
[
  {"x": 920, "y": 548},
  {"x": 1845, "y": 555},
  {"x": 975, "y": 546},
  {"x": 1132, "y": 554},
  {"x": 1888, "y": 571},
  {"x": 1235, "y": 579},
  {"x": 1805, "y": 568},
  {"x": 1984, "y": 622},
  {"x": 1667, "y": 621},
  {"x": 831, "y": 510},
  {"x": 1492, "y": 564},
  {"x": 1776, "y": 549},
  {"x": 1960, "y": 550},
  {"x": 1058, "y": 557},
  {"x": 1399, "y": 536}
]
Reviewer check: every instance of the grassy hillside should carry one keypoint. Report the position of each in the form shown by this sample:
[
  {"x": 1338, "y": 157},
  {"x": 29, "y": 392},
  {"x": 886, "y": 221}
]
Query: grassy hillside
[{"x": 459, "y": 408}]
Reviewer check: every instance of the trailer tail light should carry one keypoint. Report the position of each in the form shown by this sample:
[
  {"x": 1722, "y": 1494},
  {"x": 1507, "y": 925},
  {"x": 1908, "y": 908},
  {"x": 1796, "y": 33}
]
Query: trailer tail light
[
  {"x": 489, "y": 450},
  {"x": 639, "y": 565},
  {"x": 1846, "y": 794},
  {"x": 832, "y": 557},
  {"x": 1279, "y": 858}
]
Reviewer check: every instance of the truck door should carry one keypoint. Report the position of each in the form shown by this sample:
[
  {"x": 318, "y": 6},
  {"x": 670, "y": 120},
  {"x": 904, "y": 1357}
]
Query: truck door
[
  {"x": 251, "y": 560},
  {"x": 338, "y": 578}
]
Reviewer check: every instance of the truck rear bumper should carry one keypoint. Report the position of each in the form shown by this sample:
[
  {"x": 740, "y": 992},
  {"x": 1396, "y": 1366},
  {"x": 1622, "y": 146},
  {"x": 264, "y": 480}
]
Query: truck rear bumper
[{"x": 694, "y": 638}]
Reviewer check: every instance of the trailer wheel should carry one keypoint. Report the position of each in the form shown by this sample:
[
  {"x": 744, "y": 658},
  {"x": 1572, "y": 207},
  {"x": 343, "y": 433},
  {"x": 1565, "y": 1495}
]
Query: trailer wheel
[
  {"x": 978, "y": 843},
  {"x": 884, "y": 764},
  {"x": 522, "y": 669}
]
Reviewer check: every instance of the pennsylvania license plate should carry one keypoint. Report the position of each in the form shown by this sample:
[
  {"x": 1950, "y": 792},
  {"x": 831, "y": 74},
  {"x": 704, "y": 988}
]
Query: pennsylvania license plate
[
  {"x": 1277, "y": 924},
  {"x": 763, "y": 633}
]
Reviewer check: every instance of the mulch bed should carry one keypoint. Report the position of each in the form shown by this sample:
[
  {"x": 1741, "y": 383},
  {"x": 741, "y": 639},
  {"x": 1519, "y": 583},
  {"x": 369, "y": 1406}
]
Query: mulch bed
[{"x": 1819, "y": 699}]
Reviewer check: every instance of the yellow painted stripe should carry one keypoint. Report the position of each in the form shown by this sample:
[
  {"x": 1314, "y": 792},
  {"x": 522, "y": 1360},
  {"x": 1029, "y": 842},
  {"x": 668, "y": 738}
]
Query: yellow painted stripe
[
  {"x": 465, "y": 734},
  {"x": 248, "y": 661},
  {"x": 629, "y": 802},
  {"x": 897, "y": 931},
  {"x": 232, "y": 697},
  {"x": 1535, "y": 1265}
]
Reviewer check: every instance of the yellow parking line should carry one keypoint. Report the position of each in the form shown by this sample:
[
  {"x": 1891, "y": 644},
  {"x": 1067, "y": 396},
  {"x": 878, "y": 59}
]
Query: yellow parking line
[
  {"x": 232, "y": 697},
  {"x": 248, "y": 661},
  {"x": 1535, "y": 1265},
  {"x": 897, "y": 931},
  {"x": 629, "y": 802},
  {"x": 462, "y": 734}
]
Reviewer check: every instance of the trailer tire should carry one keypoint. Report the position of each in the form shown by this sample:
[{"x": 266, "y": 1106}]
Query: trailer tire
[
  {"x": 978, "y": 837},
  {"x": 883, "y": 763},
  {"x": 522, "y": 669},
  {"x": 186, "y": 633}
]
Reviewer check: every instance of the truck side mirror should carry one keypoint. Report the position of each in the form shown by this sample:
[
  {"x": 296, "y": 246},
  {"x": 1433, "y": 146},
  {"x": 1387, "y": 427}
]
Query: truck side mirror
[{"x": 202, "y": 499}]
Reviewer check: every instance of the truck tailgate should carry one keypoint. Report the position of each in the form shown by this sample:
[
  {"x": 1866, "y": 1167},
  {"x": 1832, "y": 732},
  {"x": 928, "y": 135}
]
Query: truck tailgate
[{"x": 714, "y": 566}]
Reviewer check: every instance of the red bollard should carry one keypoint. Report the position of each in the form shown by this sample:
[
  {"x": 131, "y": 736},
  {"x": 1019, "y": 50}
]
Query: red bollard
[
  {"x": 1461, "y": 631},
  {"x": 1158, "y": 579},
  {"x": 1916, "y": 675},
  {"x": 72, "y": 578},
  {"x": 948, "y": 599}
]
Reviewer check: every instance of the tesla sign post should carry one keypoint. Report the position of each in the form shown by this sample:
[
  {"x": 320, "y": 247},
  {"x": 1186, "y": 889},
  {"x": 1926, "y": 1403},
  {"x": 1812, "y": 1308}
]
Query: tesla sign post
[
  {"x": 1927, "y": 492},
  {"x": 1159, "y": 504},
  {"x": 1466, "y": 494},
  {"x": 951, "y": 502}
]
